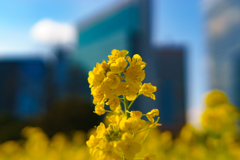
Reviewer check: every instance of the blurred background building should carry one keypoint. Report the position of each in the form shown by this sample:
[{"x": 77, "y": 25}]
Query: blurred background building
[
  {"x": 45, "y": 93},
  {"x": 170, "y": 79},
  {"x": 223, "y": 34},
  {"x": 123, "y": 26},
  {"x": 22, "y": 86}
]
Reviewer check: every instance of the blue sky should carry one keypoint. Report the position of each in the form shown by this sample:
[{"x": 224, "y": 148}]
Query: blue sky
[
  {"x": 18, "y": 16},
  {"x": 175, "y": 22},
  {"x": 182, "y": 22}
]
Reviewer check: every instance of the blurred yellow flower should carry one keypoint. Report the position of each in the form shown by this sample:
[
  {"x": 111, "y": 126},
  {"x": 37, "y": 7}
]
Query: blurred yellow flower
[
  {"x": 215, "y": 97},
  {"x": 150, "y": 157}
]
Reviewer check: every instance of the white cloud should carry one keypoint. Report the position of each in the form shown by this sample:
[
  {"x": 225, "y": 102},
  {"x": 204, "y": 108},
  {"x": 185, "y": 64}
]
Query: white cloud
[
  {"x": 47, "y": 31},
  {"x": 223, "y": 22}
]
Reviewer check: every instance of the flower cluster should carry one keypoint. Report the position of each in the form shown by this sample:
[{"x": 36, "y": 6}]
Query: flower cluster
[
  {"x": 119, "y": 80},
  {"x": 119, "y": 76},
  {"x": 220, "y": 115},
  {"x": 36, "y": 145}
]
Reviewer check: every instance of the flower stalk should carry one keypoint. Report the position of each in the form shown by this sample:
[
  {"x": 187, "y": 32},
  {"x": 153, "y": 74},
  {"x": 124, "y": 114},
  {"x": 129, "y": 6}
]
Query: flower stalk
[{"x": 112, "y": 82}]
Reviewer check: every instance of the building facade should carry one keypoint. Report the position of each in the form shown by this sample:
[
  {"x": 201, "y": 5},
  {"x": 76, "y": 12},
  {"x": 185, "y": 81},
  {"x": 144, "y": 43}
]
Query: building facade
[
  {"x": 22, "y": 86},
  {"x": 121, "y": 27},
  {"x": 223, "y": 42},
  {"x": 170, "y": 81},
  {"x": 30, "y": 86}
]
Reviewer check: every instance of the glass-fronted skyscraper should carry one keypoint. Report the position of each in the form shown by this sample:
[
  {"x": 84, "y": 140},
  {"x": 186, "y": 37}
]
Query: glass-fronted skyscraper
[
  {"x": 223, "y": 34},
  {"x": 121, "y": 27}
]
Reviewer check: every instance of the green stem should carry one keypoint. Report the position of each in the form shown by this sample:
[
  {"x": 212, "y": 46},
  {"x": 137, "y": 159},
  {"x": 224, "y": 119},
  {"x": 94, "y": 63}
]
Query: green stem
[
  {"x": 126, "y": 106},
  {"x": 132, "y": 102},
  {"x": 122, "y": 101},
  {"x": 145, "y": 137},
  {"x": 142, "y": 131}
]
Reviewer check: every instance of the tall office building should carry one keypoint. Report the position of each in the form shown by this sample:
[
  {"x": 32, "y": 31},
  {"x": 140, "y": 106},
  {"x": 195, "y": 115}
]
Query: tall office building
[
  {"x": 170, "y": 81},
  {"x": 124, "y": 26},
  {"x": 29, "y": 86},
  {"x": 22, "y": 86},
  {"x": 127, "y": 26},
  {"x": 223, "y": 32}
]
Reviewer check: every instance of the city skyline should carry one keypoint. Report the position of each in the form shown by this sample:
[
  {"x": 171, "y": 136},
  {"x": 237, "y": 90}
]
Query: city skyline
[{"x": 174, "y": 23}]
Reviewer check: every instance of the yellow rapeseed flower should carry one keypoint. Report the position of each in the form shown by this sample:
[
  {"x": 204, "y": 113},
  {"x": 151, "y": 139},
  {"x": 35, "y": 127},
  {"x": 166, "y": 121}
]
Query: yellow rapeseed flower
[
  {"x": 116, "y": 54},
  {"x": 136, "y": 60},
  {"x": 132, "y": 90},
  {"x": 151, "y": 114},
  {"x": 147, "y": 90},
  {"x": 215, "y": 97},
  {"x": 113, "y": 103},
  {"x": 119, "y": 65},
  {"x": 111, "y": 80},
  {"x": 93, "y": 143},
  {"x": 134, "y": 73},
  {"x": 99, "y": 109},
  {"x": 129, "y": 147},
  {"x": 129, "y": 125},
  {"x": 112, "y": 83},
  {"x": 136, "y": 114}
]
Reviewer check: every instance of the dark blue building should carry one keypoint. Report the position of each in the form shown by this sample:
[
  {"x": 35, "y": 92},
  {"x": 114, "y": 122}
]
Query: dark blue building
[
  {"x": 170, "y": 81},
  {"x": 29, "y": 86},
  {"x": 22, "y": 88}
]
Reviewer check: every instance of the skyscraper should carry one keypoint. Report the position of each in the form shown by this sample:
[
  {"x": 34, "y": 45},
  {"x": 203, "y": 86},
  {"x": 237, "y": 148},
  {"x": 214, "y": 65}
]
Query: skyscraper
[
  {"x": 124, "y": 26},
  {"x": 170, "y": 81},
  {"x": 223, "y": 35},
  {"x": 22, "y": 86}
]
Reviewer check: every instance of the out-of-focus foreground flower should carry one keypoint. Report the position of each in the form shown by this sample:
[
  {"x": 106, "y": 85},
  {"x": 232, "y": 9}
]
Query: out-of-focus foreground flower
[{"x": 217, "y": 139}]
